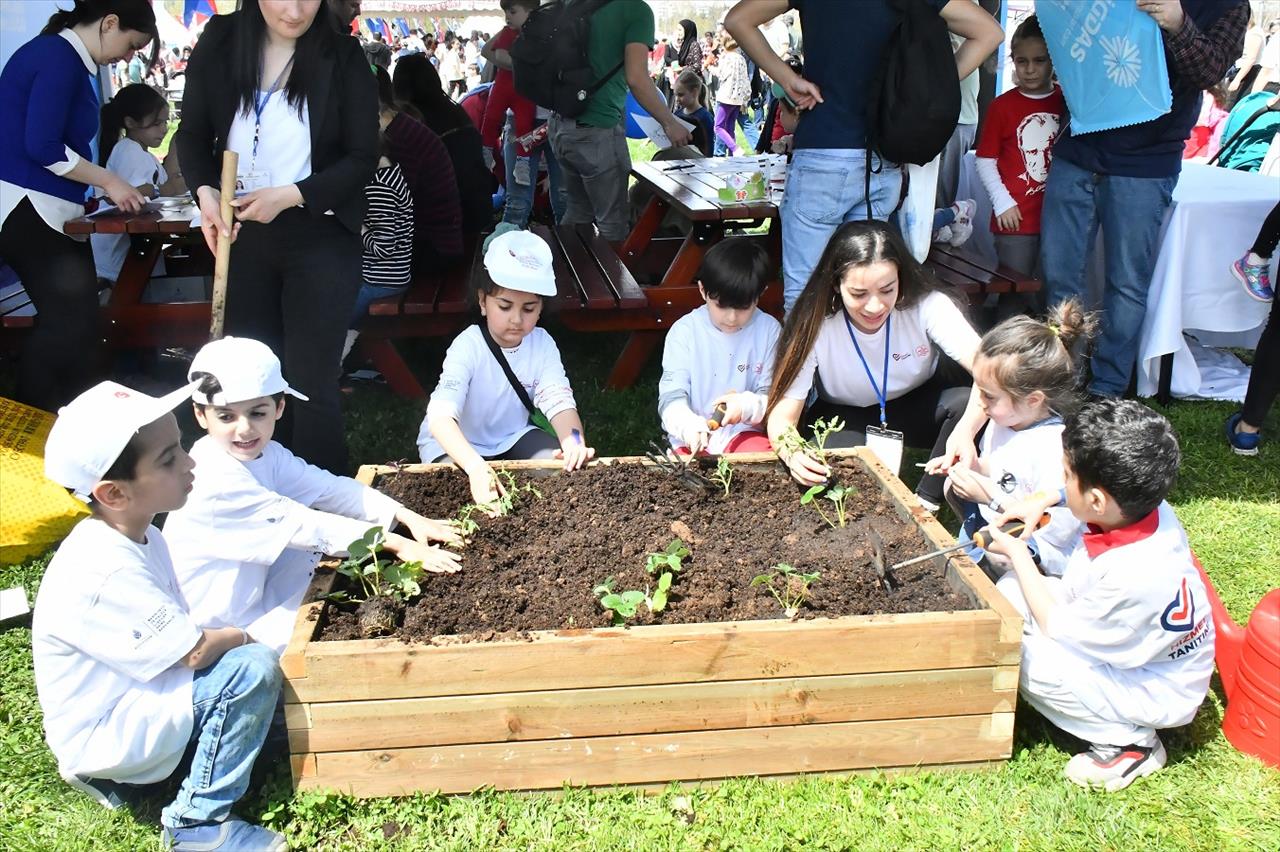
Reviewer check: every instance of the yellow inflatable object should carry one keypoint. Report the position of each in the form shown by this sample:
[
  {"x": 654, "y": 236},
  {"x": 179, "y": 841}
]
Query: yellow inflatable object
[{"x": 35, "y": 514}]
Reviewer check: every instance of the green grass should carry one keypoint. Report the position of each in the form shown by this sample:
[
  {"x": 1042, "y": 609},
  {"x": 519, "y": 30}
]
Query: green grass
[{"x": 1209, "y": 798}]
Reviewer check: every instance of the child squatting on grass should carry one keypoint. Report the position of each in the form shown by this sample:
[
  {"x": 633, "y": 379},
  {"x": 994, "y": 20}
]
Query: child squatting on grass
[
  {"x": 247, "y": 542},
  {"x": 503, "y": 393},
  {"x": 1026, "y": 382},
  {"x": 721, "y": 354},
  {"x": 127, "y": 678},
  {"x": 1122, "y": 644}
]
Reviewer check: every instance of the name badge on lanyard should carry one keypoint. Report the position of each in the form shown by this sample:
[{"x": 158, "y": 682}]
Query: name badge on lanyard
[
  {"x": 253, "y": 178},
  {"x": 881, "y": 440}
]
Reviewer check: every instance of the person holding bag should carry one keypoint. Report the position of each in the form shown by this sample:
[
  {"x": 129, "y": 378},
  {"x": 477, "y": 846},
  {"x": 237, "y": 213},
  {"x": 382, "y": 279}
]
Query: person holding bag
[{"x": 276, "y": 83}]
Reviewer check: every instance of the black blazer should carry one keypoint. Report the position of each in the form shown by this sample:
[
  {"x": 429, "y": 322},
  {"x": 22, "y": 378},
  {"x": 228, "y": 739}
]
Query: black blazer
[{"x": 342, "y": 107}]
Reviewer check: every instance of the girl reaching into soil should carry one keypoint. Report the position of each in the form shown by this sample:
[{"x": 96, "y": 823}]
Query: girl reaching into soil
[
  {"x": 1026, "y": 381},
  {"x": 503, "y": 393},
  {"x": 866, "y": 334}
]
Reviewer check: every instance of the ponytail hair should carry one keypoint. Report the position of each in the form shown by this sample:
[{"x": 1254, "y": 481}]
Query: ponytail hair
[
  {"x": 137, "y": 101},
  {"x": 692, "y": 79},
  {"x": 136, "y": 15},
  {"x": 1029, "y": 355}
]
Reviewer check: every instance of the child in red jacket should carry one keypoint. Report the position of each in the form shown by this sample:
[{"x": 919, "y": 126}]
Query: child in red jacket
[{"x": 502, "y": 96}]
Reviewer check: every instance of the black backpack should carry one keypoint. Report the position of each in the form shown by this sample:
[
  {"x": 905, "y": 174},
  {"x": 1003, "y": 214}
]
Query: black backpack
[
  {"x": 549, "y": 60},
  {"x": 914, "y": 102}
]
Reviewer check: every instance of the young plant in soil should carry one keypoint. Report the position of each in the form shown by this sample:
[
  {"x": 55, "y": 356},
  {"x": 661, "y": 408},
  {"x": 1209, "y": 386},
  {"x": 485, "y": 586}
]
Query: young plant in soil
[
  {"x": 384, "y": 584},
  {"x": 837, "y": 494},
  {"x": 512, "y": 495},
  {"x": 665, "y": 566},
  {"x": 791, "y": 441},
  {"x": 623, "y": 605},
  {"x": 789, "y": 587},
  {"x": 723, "y": 475}
]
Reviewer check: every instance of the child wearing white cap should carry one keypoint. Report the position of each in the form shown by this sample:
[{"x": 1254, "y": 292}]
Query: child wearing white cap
[
  {"x": 246, "y": 544},
  {"x": 503, "y": 393},
  {"x": 127, "y": 677}
]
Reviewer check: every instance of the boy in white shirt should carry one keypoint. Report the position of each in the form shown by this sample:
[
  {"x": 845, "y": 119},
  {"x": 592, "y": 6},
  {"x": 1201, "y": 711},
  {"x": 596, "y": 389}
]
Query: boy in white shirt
[
  {"x": 246, "y": 544},
  {"x": 1122, "y": 644},
  {"x": 721, "y": 354},
  {"x": 127, "y": 678}
]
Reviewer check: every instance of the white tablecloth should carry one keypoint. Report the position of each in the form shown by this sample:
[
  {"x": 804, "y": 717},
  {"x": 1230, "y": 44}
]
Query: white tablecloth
[{"x": 1215, "y": 218}]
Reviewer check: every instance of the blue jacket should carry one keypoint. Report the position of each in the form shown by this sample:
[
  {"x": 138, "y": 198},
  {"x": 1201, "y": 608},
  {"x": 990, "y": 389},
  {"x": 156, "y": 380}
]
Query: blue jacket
[{"x": 48, "y": 103}]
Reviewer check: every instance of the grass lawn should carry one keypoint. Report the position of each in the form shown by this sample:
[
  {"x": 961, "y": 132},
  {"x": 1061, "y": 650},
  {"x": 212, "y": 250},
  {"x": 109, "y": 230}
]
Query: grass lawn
[{"x": 1210, "y": 797}]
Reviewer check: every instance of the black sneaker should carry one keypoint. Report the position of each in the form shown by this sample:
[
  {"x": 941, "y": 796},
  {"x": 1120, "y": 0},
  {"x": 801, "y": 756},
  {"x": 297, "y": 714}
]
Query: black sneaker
[
  {"x": 1113, "y": 768},
  {"x": 110, "y": 794}
]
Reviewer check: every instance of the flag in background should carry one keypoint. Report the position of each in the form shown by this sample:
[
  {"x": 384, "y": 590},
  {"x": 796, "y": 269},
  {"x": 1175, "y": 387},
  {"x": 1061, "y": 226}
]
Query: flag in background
[{"x": 197, "y": 11}]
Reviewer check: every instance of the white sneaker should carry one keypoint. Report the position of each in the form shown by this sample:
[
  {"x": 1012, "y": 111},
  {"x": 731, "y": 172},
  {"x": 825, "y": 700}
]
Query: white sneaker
[
  {"x": 1112, "y": 768},
  {"x": 962, "y": 227},
  {"x": 942, "y": 235},
  {"x": 965, "y": 210}
]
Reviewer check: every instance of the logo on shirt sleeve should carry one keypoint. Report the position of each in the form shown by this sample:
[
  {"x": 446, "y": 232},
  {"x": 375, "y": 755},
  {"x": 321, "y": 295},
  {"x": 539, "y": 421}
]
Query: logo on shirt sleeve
[{"x": 1180, "y": 615}]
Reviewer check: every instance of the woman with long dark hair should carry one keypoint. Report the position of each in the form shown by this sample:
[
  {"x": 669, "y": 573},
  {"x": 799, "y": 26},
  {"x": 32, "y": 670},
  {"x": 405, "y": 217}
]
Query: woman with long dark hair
[
  {"x": 49, "y": 112},
  {"x": 278, "y": 85},
  {"x": 688, "y": 53}
]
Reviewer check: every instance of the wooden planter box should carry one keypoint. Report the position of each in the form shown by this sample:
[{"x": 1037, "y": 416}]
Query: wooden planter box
[{"x": 652, "y": 704}]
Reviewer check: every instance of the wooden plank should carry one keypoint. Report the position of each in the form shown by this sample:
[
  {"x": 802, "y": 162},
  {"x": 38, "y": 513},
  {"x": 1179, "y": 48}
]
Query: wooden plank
[
  {"x": 688, "y": 756},
  {"x": 292, "y": 662},
  {"x": 662, "y": 179},
  {"x": 544, "y": 715},
  {"x": 622, "y": 284},
  {"x": 690, "y": 653},
  {"x": 566, "y": 239}
]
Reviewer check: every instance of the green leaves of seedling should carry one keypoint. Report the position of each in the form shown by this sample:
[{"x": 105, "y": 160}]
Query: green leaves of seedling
[
  {"x": 374, "y": 576},
  {"x": 723, "y": 475},
  {"x": 665, "y": 564},
  {"x": 668, "y": 559},
  {"x": 837, "y": 494},
  {"x": 623, "y": 604},
  {"x": 659, "y": 600},
  {"x": 789, "y": 587}
]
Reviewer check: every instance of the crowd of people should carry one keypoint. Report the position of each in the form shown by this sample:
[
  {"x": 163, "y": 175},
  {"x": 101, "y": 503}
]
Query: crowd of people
[{"x": 363, "y": 164}]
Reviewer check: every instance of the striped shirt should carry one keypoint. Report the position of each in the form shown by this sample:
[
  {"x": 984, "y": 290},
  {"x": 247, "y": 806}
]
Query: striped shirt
[{"x": 388, "y": 229}]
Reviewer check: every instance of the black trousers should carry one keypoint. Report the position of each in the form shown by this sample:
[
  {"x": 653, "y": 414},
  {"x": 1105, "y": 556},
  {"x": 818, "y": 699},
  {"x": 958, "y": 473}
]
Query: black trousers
[
  {"x": 1264, "y": 380},
  {"x": 1268, "y": 234},
  {"x": 925, "y": 416},
  {"x": 292, "y": 284},
  {"x": 64, "y": 353}
]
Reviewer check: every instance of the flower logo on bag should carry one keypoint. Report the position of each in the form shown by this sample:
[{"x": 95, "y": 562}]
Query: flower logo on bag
[{"x": 1120, "y": 58}]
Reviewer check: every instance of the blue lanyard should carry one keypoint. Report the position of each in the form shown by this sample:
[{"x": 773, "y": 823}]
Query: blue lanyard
[
  {"x": 882, "y": 389},
  {"x": 260, "y": 104}
]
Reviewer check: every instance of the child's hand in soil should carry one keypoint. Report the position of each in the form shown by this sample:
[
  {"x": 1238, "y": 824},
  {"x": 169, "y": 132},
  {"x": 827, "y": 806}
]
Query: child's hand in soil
[
  {"x": 807, "y": 470},
  {"x": 486, "y": 489},
  {"x": 426, "y": 529},
  {"x": 575, "y": 453},
  {"x": 433, "y": 559}
]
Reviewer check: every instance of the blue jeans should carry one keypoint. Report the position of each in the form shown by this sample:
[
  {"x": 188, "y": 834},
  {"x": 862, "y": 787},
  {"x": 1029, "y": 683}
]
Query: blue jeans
[
  {"x": 519, "y": 201},
  {"x": 826, "y": 187},
  {"x": 367, "y": 295},
  {"x": 1131, "y": 213},
  {"x": 234, "y": 701}
]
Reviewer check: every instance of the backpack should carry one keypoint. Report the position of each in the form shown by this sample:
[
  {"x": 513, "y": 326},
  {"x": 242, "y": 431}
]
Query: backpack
[
  {"x": 549, "y": 62},
  {"x": 914, "y": 102}
]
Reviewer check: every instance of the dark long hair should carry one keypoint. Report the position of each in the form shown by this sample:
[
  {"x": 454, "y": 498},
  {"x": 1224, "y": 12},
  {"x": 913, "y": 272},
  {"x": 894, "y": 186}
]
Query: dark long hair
[
  {"x": 686, "y": 44},
  {"x": 853, "y": 244},
  {"x": 137, "y": 101},
  {"x": 246, "y": 55},
  {"x": 417, "y": 82},
  {"x": 136, "y": 15}
]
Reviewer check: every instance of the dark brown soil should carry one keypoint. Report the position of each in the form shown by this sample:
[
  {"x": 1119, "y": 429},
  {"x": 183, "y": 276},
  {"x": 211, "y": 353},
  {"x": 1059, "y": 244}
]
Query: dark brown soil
[{"x": 535, "y": 569}]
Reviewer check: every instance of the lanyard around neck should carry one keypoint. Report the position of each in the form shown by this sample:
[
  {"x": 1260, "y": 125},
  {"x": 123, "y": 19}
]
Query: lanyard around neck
[
  {"x": 882, "y": 389},
  {"x": 260, "y": 104}
]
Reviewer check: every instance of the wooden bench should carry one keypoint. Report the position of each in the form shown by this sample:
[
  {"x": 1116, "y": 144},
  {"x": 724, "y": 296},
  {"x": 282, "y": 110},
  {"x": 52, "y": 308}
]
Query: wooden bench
[{"x": 975, "y": 278}]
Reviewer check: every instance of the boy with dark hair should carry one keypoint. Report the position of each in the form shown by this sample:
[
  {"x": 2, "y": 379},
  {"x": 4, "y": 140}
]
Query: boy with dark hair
[
  {"x": 1122, "y": 644},
  {"x": 126, "y": 677},
  {"x": 721, "y": 354}
]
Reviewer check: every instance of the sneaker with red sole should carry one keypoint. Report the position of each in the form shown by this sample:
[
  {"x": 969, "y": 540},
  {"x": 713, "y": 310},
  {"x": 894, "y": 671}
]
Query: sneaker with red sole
[{"x": 1113, "y": 768}]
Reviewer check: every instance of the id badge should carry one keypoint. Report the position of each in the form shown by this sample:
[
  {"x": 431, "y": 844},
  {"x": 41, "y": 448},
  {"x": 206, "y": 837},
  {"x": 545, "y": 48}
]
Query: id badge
[
  {"x": 887, "y": 445},
  {"x": 249, "y": 181}
]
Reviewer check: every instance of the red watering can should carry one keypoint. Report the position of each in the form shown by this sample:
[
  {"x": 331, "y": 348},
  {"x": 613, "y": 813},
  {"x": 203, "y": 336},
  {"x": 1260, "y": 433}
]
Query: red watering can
[{"x": 1249, "y": 664}]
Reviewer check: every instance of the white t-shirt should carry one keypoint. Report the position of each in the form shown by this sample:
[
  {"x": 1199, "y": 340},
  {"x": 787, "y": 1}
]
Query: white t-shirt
[
  {"x": 1026, "y": 461},
  {"x": 284, "y": 145},
  {"x": 109, "y": 630},
  {"x": 137, "y": 166},
  {"x": 1136, "y": 610},
  {"x": 917, "y": 332},
  {"x": 700, "y": 363},
  {"x": 246, "y": 542},
  {"x": 474, "y": 391}
]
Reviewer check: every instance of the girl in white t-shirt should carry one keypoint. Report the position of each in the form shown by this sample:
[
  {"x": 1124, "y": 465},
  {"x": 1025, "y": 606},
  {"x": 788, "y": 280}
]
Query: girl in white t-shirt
[
  {"x": 136, "y": 119},
  {"x": 1026, "y": 381},
  {"x": 476, "y": 412},
  {"x": 865, "y": 338}
]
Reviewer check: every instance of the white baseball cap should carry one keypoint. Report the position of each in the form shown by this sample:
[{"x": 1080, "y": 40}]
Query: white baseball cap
[
  {"x": 93, "y": 429},
  {"x": 519, "y": 260},
  {"x": 246, "y": 369}
]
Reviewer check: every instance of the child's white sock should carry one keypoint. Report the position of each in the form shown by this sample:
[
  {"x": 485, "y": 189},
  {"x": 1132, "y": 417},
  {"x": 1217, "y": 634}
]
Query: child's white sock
[
  {"x": 352, "y": 334},
  {"x": 1255, "y": 260}
]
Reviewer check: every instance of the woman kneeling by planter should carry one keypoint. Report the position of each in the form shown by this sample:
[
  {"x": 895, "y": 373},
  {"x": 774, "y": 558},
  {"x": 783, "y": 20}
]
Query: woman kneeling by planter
[
  {"x": 865, "y": 334},
  {"x": 503, "y": 393}
]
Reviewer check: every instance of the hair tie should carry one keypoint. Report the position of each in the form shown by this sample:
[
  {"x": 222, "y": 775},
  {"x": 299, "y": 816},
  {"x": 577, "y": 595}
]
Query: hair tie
[{"x": 1055, "y": 328}]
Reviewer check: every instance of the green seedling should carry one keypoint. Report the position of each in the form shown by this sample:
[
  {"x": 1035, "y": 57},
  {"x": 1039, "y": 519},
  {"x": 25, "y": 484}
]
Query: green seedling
[
  {"x": 822, "y": 430},
  {"x": 837, "y": 494},
  {"x": 669, "y": 559},
  {"x": 789, "y": 587},
  {"x": 791, "y": 441},
  {"x": 623, "y": 605},
  {"x": 467, "y": 525},
  {"x": 510, "y": 494},
  {"x": 378, "y": 577},
  {"x": 723, "y": 475}
]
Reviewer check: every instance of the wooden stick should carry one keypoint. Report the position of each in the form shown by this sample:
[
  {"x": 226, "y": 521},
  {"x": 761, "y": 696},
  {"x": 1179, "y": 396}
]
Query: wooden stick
[{"x": 222, "y": 261}]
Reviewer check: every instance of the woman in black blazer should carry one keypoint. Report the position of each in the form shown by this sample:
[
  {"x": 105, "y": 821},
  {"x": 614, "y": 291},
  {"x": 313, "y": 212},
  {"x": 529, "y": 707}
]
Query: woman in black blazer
[{"x": 277, "y": 84}]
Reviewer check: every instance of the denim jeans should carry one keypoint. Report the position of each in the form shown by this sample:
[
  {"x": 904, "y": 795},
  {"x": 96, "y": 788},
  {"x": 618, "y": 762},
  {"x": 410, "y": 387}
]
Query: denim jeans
[
  {"x": 1131, "y": 213},
  {"x": 367, "y": 295},
  {"x": 234, "y": 701},
  {"x": 596, "y": 166},
  {"x": 519, "y": 203},
  {"x": 826, "y": 187}
]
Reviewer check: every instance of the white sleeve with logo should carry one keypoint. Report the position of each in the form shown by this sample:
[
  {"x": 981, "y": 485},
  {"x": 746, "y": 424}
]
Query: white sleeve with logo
[{"x": 136, "y": 626}]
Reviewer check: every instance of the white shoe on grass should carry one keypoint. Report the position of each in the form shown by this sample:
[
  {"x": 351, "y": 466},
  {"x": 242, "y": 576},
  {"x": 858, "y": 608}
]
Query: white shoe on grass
[{"x": 1113, "y": 768}]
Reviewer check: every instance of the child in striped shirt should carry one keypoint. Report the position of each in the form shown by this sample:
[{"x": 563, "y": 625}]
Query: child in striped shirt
[{"x": 387, "y": 234}]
